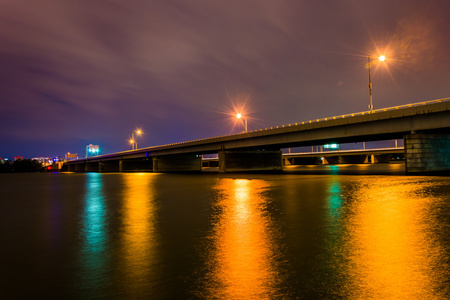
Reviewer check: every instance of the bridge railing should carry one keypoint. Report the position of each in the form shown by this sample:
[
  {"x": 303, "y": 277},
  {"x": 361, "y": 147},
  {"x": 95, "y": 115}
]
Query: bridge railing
[{"x": 367, "y": 112}]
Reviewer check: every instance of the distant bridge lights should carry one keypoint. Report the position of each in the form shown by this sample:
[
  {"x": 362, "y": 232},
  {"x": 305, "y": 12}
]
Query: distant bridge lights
[{"x": 380, "y": 58}]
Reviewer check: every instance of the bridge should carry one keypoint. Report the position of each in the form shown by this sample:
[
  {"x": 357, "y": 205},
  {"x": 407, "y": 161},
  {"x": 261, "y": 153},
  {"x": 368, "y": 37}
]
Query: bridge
[
  {"x": 354, "y": 156},
  {"x": 424, "y": 126}
]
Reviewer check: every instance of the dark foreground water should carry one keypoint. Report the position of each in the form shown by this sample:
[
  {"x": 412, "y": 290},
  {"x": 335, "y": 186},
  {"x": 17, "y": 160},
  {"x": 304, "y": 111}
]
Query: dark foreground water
[{"x": 212, "y": 236}]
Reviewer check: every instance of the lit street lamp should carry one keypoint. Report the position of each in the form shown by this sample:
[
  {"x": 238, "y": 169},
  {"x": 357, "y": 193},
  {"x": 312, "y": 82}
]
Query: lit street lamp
[
  {"x": 239, "y": 116},
  {"x": 380, "y": 58},
  {"x": 133, "y": 141}
]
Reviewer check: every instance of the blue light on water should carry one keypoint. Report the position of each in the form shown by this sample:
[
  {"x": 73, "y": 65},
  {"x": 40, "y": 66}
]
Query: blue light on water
[{"x": 95, "y": 235}]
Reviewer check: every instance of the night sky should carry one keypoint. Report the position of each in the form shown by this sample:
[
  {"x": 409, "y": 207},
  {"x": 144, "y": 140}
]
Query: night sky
[{"x": 78, "y": 72}]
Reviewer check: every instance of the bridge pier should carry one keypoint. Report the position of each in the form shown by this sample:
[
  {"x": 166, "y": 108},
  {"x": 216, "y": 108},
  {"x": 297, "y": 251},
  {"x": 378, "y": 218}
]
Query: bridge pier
[
  {"x": 177, "y": 163},
  {"x": 382, "y": 158},
  {"x": 250, "y": 161},
  {"x": 331, "y": 160},
  {"x": 427, "y": 153}
]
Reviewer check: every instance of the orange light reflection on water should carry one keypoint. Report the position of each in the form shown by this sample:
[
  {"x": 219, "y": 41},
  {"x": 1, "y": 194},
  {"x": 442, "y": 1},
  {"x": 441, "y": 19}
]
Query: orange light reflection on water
[
  {"x": 242, "y": 262},
  {"x": 391, "y": 250},
  {"x": 139, "y": 235}
]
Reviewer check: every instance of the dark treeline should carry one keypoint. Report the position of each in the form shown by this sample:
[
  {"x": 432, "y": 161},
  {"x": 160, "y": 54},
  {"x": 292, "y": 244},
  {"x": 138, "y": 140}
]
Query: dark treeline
[{"x": 21, "y": 165}]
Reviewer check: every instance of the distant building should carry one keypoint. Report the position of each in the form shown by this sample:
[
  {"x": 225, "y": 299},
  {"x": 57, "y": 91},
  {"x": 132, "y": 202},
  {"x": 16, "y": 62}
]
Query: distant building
[{"x": 45, "y": 161}]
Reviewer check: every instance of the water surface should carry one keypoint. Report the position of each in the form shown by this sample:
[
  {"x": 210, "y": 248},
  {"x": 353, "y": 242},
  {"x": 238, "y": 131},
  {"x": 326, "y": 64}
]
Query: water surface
[{"x": 213, "y": 236}]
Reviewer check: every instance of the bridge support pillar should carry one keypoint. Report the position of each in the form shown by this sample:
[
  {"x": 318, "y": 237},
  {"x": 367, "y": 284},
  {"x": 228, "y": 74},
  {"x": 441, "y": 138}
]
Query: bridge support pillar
[
  {"x": 287, "y": 162},
  {"x": 427, "y": 153},
  {"x": 381, "y": 158},
  {"x": 250, "y": 161},
  {"x": 177, "y": 163},
  {"x": 331, "y": 160}
]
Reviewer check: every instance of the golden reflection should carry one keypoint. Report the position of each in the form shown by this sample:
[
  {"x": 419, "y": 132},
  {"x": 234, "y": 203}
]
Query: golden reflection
[
  {"x": 391, "y": 249},
  {"x": 242, "y": 264},
  {"x": 139, "y": 237}
]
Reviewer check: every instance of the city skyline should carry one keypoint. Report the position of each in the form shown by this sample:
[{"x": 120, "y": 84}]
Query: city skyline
[{"x": 78, "y": 73}]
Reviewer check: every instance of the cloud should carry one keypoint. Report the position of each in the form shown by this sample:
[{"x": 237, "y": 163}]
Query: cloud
[{"x": 100, "y": 66}]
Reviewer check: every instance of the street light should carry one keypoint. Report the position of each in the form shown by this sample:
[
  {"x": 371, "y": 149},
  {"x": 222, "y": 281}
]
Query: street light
[
  {"x": 239, "y": 116},
  {"x": 133, "y": 141},
  {"x": 380, "y": 58}
]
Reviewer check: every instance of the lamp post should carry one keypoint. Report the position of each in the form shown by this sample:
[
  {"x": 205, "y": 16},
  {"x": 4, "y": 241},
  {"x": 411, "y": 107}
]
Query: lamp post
[
  {"x": 133, "y": 141},
  {"x": 239, "y": 116},
  {"x": 380, "y": 58}
]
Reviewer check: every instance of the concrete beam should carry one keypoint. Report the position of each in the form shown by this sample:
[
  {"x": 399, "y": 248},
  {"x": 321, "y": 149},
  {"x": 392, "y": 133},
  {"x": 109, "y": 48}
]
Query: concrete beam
[{"x": 250, "y": 161}]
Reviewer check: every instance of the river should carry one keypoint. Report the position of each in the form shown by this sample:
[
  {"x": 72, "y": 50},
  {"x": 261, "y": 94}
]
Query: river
[{"x": 216, "y": 236}]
